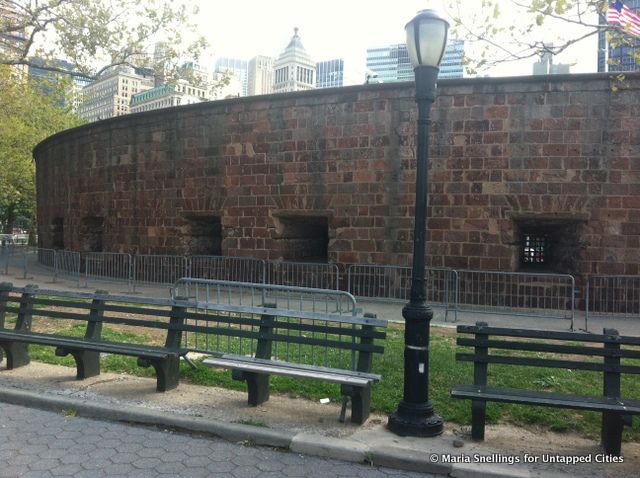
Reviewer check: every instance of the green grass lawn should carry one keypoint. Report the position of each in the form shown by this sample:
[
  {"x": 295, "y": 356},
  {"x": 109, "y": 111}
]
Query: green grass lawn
[{"x": 445, "y": 372}]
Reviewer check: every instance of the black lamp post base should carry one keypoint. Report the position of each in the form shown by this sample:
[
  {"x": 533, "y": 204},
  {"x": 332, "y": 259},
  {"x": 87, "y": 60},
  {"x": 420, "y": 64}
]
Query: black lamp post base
[{"x": 415, "y": 420}]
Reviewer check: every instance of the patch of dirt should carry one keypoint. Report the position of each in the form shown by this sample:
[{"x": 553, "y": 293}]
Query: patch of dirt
[{"x": 283, "y": 412}]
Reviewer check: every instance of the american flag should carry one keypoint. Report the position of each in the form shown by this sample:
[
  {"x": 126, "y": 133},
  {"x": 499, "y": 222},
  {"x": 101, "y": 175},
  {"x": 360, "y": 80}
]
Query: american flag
[{"x": 619, "y": 14}]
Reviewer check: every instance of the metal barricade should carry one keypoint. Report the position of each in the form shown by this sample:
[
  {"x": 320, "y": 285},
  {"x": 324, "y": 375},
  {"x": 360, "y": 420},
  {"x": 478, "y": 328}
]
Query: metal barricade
[
  {"x": 517, "y": 293},
  {"x": 238, "y": 269},
  {"x": 67, "y": 264},
  {"x": 617, "y": 296},
  {"x": 387, "y": 283},
  {"x": 303, "y": 274},
  {"x": 214, "y": 294},
  {"x": 108, "y": 266},
  {"x": 158, "y": 269},
  {"x": 46, "y": 257}
]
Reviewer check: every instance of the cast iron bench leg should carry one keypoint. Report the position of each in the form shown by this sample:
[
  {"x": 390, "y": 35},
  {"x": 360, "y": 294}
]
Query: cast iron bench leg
[
  {"x": 257, "y": 386},
  {"x": 167, "y": 372},
  {"x": 612, "y": 424},
  {"x": 87, "y": 363},
  {"x": 17, "y": 354},
  {"x": 360, "y": 402},
  {"x": 478, "y": 417}
]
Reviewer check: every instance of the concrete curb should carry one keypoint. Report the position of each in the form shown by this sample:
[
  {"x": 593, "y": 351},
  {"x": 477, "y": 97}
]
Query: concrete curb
[
  {"x": 340, "y": 449},
  {"x": 234, "y": 432},
  {"x": 304, "y": 443},
  {"x": 410, "y": 460}
]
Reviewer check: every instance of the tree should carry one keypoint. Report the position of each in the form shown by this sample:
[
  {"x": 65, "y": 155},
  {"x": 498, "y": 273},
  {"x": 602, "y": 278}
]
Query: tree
[
  {"x": 97, "y": 34},
  {"x": 27, "y": 116},
  {"x": 519, "y": 29}
]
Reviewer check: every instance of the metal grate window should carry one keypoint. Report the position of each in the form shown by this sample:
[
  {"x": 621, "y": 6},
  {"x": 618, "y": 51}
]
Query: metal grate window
[{"x": 535, "y": 249}]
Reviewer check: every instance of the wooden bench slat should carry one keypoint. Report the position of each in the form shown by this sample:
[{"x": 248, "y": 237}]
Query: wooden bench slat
[
  {"x": 551, "y": 399},
  {"x": 311, "y": 315},
  {"x": 547, "y": 334},
  {"x": 347, "y": 330},
  {"x": 254, "y": 360},
  {"x": 283, "y": 368},
  {"x": 547, "y": 347},
  {"x": 148, "y": 351},
  {"x": 543, "y": 362}
]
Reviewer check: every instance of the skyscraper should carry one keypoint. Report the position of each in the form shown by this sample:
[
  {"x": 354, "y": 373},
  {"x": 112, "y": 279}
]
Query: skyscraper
[
  {"x": 621, "y": 57},
  {"x": 294, "y": 68},
  {"x": 391, "y": 63},
  {"x": 330, "y": 73},
  {"x": 49, "y": 78},
  {"x": 261, "y": 70},
  {"x": 238, "y": 68}
]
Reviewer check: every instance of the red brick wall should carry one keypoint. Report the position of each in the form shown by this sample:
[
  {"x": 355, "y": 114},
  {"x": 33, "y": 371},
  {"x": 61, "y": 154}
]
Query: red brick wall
[{"x": 502, "y": 150}]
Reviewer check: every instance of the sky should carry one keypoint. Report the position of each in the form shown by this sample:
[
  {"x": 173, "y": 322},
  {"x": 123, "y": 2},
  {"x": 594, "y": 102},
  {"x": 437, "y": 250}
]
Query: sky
[{"x": 344, "y": 29}]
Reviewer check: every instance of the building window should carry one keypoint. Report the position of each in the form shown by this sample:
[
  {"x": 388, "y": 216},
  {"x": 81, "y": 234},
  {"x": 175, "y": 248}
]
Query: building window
[
  {"x": 91, "y": 232},
  {"x": 57, "y": 233},
  {"x": 303, "y": 238},
  {"x": 549, "y": 245},
  {"x": 205, "y": 235},
  {"x": 534, "y": 248}
]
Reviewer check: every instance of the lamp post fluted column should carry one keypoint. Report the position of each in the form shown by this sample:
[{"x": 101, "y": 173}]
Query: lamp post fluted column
[{"x": 415, "y": 415}]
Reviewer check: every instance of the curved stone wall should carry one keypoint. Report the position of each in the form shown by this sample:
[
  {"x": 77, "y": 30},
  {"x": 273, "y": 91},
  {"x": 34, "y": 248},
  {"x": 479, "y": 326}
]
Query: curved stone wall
[{"x": 329, "y": 175}]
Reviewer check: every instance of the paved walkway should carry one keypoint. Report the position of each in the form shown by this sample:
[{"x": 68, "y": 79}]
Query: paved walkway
[
  {"x": 44, "y": 444},
  {"x": 391, "y": 311}
]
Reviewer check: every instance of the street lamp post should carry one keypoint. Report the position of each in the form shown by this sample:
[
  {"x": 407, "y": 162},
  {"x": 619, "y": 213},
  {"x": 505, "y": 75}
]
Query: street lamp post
[{"x": 426, "y": 41}]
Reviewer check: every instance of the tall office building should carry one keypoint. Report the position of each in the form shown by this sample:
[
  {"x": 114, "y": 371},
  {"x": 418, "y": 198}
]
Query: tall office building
[
  {"x": 391, "y": 63},
  {"x": 330, "y": 73},
  {"x": 78, "y": 81},
  {"x": 451, "y": 64},
  {"x": 236, "y": 67},
  {"x": 261, "y": 73},
  {"x": 294, "y": 68},
  {"x": 110, "y": 95},
  {"x": 621, "y": 57},
  {"x": 546, "y": 66}
]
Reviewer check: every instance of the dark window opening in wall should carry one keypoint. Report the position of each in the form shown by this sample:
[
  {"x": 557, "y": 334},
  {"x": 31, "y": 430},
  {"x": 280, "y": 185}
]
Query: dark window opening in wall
[
  {"x": 91, "y": 234},
  {"x": 549, "y": 245},
  {"x": 535, "y": 248},
  {"x": 205, "y": 235},
  {"x": 303, "y": 238},
  {"x": 57, "y": 233}
]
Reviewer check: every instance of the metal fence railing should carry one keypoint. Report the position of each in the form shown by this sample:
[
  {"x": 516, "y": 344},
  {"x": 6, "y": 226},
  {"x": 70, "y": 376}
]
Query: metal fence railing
[
  {"x": 159, "y": 269},
  {"x": 108, "y": 266},
  {"x": 612, "y": 295},
  {"x": 517, "y": 293},
  {"x": 486, "y": 292},
  {"x": 67, "y": 264},
  {"x": 303, "y": 274},
  {"x": 393, "y": 284},
  {"x": 316, "y": 303},
  {"x": 239, "y": 269}
]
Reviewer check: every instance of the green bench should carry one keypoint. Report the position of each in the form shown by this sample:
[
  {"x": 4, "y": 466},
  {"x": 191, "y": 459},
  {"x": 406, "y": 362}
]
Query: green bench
[
  {"x": 286, "y": 342},
  {"x": 601, "y": 354},
  {"x": 93, "y": 311}
]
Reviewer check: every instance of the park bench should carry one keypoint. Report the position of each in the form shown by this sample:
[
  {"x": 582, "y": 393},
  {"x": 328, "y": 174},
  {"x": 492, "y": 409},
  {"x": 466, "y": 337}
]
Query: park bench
[
  {"x": 93, "y": 311},
  {"x": 306, "y": 345},
  {"x": 534, "y": 348}
]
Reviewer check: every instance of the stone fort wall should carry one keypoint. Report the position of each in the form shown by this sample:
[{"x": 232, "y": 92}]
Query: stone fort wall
[{"x": 519, "y": 167}]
